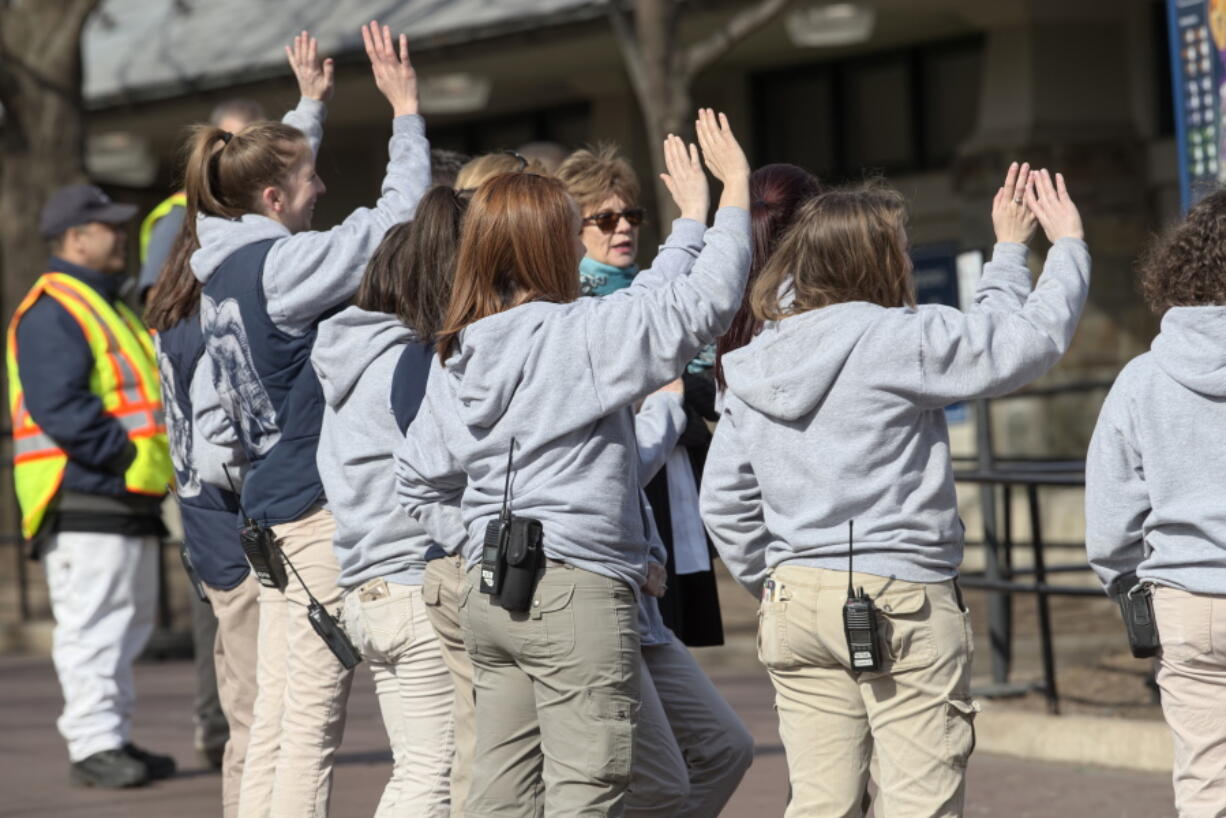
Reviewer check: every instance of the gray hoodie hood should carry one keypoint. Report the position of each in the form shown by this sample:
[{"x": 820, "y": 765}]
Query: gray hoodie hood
[
  {"x": 348, "y": 343},
  {"x": 1192, "y": 348},
  {"x": 219, "y": 238},
  {"x": 792, "y": 364}
]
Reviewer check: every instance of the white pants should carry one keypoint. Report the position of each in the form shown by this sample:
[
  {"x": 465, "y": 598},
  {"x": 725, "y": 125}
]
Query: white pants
[
  {"x": 387, "y": 622},
  {"x": 103, "y": 591}
]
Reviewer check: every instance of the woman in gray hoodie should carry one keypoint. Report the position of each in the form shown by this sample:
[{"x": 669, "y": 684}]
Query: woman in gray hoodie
[
  {"x": 268, "y": 279},
  {"x": 1155, "y": 473},
  {"x": 833, "y": 413},
  {"x": 381, "y": 550},
  {"x": 524, "y": 363}
]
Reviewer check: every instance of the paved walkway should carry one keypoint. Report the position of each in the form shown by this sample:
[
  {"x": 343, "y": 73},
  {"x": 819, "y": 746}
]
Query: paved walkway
[{"x": 33, "y": 767}]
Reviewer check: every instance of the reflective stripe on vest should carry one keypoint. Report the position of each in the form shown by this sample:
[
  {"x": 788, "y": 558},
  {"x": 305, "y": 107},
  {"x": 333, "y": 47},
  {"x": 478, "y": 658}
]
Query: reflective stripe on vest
[
  {"x": 124, "y": 377},
  {"x": 156, "y": 215}
]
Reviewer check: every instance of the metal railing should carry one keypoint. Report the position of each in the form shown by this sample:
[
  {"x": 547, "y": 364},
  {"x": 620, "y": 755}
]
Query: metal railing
[{"x": 1000, "y": 578}]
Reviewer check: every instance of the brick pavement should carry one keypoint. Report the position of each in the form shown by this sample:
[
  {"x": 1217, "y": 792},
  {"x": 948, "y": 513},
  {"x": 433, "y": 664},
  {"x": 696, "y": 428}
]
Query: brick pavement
[{"x": 33, "y": 764}]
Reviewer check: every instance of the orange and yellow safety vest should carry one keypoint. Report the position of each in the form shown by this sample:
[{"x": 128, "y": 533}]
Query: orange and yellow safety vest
[{"x": 125, "y": 378}]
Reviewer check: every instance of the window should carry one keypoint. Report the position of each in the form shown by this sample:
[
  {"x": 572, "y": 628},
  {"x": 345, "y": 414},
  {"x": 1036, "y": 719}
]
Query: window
[
  {"x": 566, "y": 124},
  {"x": 897, "y": 111}
]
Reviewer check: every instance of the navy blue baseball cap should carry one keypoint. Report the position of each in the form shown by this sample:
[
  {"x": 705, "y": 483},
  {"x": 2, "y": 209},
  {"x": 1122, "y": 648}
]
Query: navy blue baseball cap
[{"x": 75, "y": 205}]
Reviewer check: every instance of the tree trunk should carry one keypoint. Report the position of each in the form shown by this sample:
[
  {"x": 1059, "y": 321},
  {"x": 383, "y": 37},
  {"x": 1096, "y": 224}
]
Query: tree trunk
[
  {"x": 42, "y": 139},
  {"x": 662, "y": 70}
]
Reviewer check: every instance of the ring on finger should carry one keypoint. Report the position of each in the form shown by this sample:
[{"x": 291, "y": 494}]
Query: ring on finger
[{"x": 1017, "y": 201}]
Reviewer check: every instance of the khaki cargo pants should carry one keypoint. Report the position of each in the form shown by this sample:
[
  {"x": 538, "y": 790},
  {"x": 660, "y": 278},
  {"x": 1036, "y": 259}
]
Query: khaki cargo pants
[
  {"x": 557, "y": 690},
  {"x": 441, "y": 589},
  {"x": 1192, "y": 678},
  {"x": 915, "y": 714},
  {"x": 302, "y": 690}
]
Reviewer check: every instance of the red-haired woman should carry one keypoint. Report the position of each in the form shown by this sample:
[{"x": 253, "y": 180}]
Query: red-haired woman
[{"x": 527, "y": 370}]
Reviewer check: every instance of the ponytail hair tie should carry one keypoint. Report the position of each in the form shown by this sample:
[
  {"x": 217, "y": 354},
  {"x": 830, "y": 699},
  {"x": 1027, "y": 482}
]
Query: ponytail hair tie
[{"x": 226, "y": 136}]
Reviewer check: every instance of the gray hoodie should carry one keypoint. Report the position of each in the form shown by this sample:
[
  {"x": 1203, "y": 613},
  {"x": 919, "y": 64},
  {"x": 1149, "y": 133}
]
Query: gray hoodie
[
  {"x": 560, "y": 379},
  {"x": 1156, "y": 468},
  {"x": 308, "y": 273},
  {"x": 355, "y": 354},
  {"x": 836, "y": 414},
  {"x": 217, "y": 453}
]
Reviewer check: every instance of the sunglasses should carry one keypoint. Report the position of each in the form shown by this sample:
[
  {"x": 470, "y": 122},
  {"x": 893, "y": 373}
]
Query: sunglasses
[{"x": 607, "y": 220}]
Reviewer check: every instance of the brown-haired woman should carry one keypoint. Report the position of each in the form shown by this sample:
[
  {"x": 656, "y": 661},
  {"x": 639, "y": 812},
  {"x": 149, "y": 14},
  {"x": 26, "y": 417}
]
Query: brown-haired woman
[
  {"x": 1154, "y": 472},
  {"x": 208, "y": 510},
  {"x": 834, "y": 414},
  {"x": 528, "y": 370},
  {"x": 361, "y": 356},
  {"x": 267, "y": 282}
]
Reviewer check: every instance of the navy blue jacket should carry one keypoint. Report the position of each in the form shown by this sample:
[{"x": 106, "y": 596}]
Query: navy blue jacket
[
  {"x": 209, "y": 513},
  {"x": 55, "y": 363},
  {"x": 267, "y": 386}
]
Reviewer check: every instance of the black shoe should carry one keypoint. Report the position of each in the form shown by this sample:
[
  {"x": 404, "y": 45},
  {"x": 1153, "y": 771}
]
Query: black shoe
[
  {"x": 159, "y": 766},
  {"x": 109, "y": 769}
]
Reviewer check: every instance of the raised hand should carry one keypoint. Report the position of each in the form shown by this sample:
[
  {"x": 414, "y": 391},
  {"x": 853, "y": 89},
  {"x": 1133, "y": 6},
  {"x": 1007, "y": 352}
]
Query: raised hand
[
  {"x": 314, "y": 75},
  {"x": 685, "y": 179},
  {"x": 1053, "y": 207},
  {"x": 1011, "y": 218},
  {"x": 394, "y": 74},
  {"x": 724, "y": 157}
]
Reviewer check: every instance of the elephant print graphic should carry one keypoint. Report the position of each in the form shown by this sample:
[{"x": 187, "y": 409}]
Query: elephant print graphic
[
  {"x": 178, "y": 428},
  {"x": 239, "y": 389}
]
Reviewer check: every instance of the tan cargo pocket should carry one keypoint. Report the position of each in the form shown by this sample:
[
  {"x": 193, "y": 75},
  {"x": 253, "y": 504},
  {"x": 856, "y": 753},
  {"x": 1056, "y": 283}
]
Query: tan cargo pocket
[
  {"x": 1184, "y": 627},
  {"x": 610, "y": 721},
  {"x": 388, "y": 624},
  {"x": 774, "y": 650},
  {"x": 905, "y": 628},
  {"x": 558, "y": 617},
  {"x": 959, "y": 731}
]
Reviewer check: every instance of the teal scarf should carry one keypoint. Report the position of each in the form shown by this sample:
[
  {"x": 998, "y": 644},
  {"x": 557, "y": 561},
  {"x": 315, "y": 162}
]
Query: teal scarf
[{"x": 597, "y": 278}]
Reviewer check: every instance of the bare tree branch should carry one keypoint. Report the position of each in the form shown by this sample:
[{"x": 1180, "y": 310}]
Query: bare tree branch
[
  {"x": 627, "y": 43},
  {"x": 701, "y": 55}
]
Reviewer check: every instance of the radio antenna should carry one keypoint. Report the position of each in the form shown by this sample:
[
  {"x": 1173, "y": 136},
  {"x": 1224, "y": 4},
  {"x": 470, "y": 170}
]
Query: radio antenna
[
  {"x": 506, "y": 489},
  {"x": 851, "y": 527}
]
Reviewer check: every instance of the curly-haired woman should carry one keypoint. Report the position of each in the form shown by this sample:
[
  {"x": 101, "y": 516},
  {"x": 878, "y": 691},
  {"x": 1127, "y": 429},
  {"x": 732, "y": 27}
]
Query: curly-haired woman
[{"x": 1156, "y": 514}]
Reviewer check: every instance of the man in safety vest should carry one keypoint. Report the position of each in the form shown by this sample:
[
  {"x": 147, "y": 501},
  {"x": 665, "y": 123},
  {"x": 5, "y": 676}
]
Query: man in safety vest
[
  {"x": 91, "y": 466},
  {"x": 161, "y": 225}
]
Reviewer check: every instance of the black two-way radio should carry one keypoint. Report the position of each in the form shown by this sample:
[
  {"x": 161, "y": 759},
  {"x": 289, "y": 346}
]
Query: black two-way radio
[
  {"x": 859, "y": 619},
  {"x": 513, "y": 553},
  {"x": 326, "y": 626},
  {"x": 260, "y": 546},
  {"x": 268, "y": 561}
]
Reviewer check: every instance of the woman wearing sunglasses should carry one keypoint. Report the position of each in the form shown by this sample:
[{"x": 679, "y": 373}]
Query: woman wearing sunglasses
[
  {"x": 691, "y": 750},
  {"x": 607, "y": 191}
]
